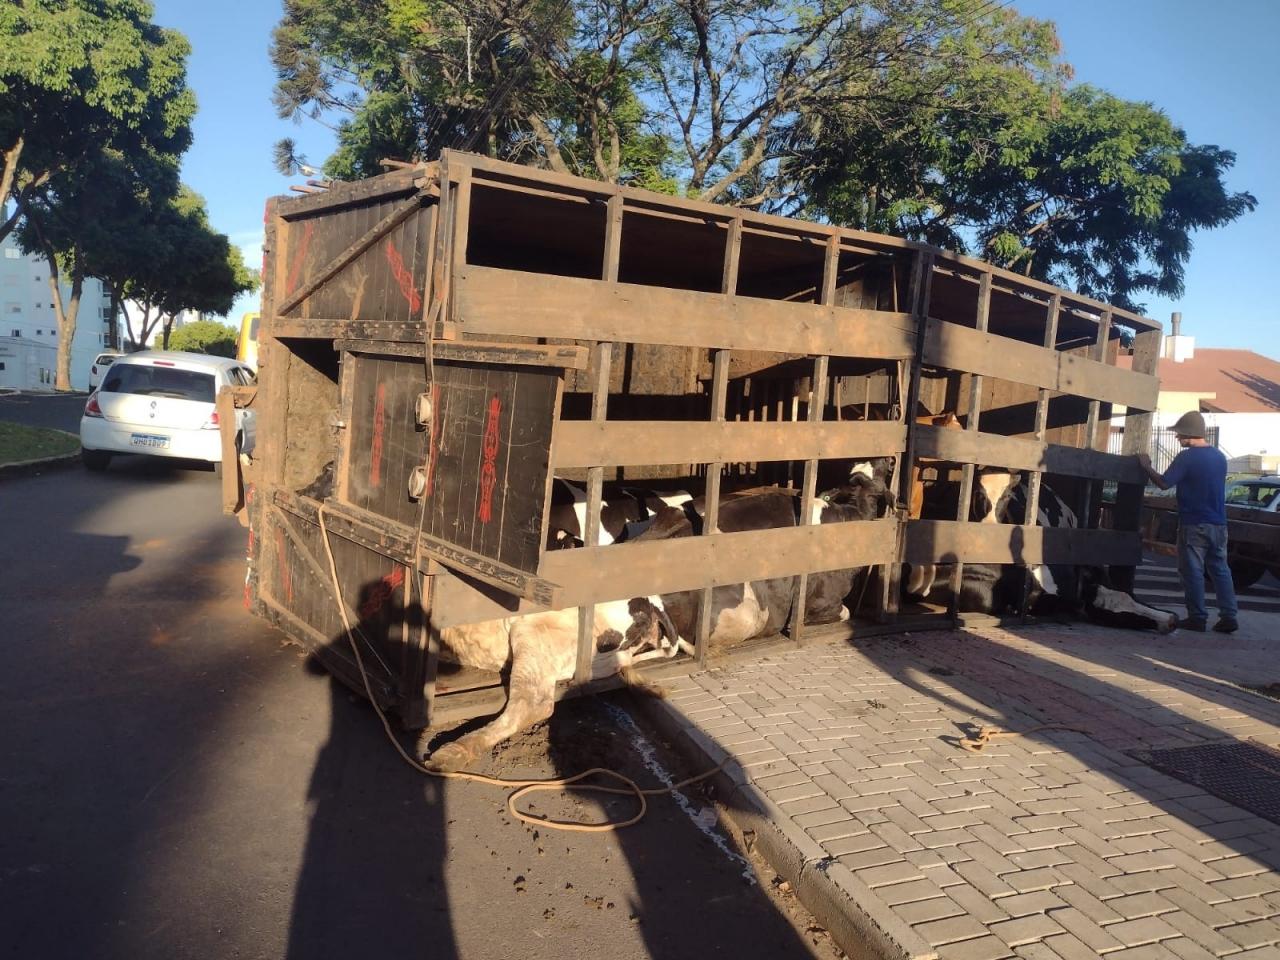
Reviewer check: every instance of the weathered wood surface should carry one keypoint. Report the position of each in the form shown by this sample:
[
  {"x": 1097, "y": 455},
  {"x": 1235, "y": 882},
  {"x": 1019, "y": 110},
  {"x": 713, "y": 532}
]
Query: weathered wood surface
[
  {"x": 1017, "y": 453},
  {"x": 945, "y": 541},
  {"x": 581, "y": 443},
  {"x": 960, "y": 348},
  {"x": 565, "y": 356},
  {"x": 511, "y": 302}
]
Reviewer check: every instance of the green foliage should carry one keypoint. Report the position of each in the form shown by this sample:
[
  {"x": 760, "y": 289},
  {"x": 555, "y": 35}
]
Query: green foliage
[
  {"x": 1066, "y": 184},
  {"x": 18, "y": 443},
  {"x": 205, "y": 336},
  {"x": 949, "y": 121},
  {"x": 80, "y": 76}
]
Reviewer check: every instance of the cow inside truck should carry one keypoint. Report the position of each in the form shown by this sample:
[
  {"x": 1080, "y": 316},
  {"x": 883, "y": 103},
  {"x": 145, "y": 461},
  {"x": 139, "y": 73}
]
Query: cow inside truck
[{"x": 554, "y": 430}]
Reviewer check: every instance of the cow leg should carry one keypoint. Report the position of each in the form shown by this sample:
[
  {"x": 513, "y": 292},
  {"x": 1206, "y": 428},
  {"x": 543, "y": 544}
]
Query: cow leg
[{"x": 543, "y": 650}]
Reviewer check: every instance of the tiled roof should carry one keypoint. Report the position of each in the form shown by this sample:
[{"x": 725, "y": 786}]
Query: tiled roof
[{"x": 1244, "y": 381}]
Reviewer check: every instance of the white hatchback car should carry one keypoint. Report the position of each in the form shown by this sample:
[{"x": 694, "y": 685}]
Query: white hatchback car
[
  {"x": 98, "y": 369},
  {"x": 162, "y": 404}
]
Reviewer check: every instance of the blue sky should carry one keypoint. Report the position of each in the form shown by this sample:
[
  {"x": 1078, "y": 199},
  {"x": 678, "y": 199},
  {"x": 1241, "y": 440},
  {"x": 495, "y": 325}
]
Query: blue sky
[{"x": 1214, "y": 70}]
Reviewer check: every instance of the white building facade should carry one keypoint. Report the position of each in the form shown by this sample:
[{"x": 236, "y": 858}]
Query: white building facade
[{"x": 29, "y": 323}]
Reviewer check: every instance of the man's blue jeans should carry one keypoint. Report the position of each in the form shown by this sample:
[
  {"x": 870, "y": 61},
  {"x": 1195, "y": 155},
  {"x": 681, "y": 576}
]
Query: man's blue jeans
[{"x": 1202, "y": 547}]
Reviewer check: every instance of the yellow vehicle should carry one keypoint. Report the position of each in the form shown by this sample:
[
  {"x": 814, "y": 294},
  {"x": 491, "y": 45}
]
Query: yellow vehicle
[{"x": 247, "y": 342}]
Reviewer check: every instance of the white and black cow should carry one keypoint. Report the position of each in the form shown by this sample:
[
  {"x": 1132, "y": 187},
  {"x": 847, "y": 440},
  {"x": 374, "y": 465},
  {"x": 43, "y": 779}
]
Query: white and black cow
[
  {"x": 993, "y": 491},
  {"x": 540, "y": 649},
  {"x": 1054, "y": 589},
  {"x": 625, "y": 512},
  {"x": 746, "y": 610}
]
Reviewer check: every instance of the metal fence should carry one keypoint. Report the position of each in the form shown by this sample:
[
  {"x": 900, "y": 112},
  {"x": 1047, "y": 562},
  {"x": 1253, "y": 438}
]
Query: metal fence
[{"x": 1164, "y": 445}]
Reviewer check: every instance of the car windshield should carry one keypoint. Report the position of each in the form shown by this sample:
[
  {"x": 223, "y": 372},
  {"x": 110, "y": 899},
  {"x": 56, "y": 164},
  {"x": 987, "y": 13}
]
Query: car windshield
[
  {"x": 1252, "y": 494},
  {"x": 152, "y": 381}
]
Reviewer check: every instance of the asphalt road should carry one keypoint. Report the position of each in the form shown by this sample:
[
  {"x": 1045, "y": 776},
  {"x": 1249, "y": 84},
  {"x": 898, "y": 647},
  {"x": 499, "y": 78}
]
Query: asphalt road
[
  {"x": 60, "y": 411},
  {"x": 176, "y": 781}
]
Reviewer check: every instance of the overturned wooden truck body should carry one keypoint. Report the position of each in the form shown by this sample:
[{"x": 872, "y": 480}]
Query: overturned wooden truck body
[{"x": 560, "y": 327}]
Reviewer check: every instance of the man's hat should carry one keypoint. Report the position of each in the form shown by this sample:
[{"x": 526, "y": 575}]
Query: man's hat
[{"x": 1190, "y": 424}]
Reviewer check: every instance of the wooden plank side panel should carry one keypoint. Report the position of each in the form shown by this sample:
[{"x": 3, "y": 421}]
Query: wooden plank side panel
[
  {"x": 491, "y": 442},
  {"x": 642, "y": 568},
  {"x": 960, "y": 348},
  {"x": 582, "y": 443},
  {"x": 944, "y": 541},
  {"x": 510, "y": 302},
  {"x": 1017, "y": 453}
]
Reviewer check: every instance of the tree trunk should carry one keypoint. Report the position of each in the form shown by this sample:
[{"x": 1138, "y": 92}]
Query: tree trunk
[
  {"x": 7, "y": 178},
  {"x": 67, "y": 317},
  {"x": 128, "y": 326},
  {"x": 148, "y": 325},
  {"x": 165, "y": 330}
]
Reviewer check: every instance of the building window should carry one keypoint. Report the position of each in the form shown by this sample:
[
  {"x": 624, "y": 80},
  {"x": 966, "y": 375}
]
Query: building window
[
  {"x": 16, "y": 332},
  {"x": 11, "y": 253},
  {"x": 39, "y": 333}
]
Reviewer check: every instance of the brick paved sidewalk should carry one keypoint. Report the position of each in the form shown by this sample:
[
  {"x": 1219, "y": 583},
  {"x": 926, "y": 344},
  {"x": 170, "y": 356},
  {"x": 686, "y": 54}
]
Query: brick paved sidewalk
[{"x": 1058, "y": 844}]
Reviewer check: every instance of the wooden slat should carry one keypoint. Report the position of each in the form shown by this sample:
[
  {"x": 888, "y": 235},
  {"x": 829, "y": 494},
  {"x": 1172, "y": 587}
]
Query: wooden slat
[
  {"x": 384, "y": 226},
  {"x": 595, "y": 494},
  {"x": 1034, "y": 481},
  {"x": 645, "y": 568},
  {"x": 581, "y": 443},
  {"x": 1018, "y": 453},
  {"x": 817, "y": 403},
  {"x": 328, "y": 329},
  {"x": 711, "y": 515},
  {"x": 567, "y": 356},
  {"x": 944, "y": 541},
  {"x": 361, "y": 192},
  {"x": 232, "y": 496},
  {"x": 959, "y": 348},
  {"x": 512, "y": 302},
  {"x": 972, "y": 423}
]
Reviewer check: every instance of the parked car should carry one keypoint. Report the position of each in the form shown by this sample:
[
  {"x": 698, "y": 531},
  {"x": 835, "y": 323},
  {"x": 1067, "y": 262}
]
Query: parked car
[
  {"x": 98, "y": 368},
  {"x": 162, "y": 404},
  {"x": 1257, "y": 493}
]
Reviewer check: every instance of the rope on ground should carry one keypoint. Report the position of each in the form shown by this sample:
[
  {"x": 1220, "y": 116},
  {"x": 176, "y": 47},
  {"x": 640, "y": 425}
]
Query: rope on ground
[
  {"x": 522, "y": 787},
  {"x": 989, "y": 735}
]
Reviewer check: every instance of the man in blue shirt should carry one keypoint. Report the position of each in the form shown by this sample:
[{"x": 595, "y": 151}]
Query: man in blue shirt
[{"x": 1200, "y": 474}]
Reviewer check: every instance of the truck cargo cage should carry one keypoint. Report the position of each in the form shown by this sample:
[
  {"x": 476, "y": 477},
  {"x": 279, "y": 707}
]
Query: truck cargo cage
[{"x": 439, "y": 343}]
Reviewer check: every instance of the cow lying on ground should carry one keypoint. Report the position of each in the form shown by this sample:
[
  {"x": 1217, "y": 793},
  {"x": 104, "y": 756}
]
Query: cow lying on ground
[
  {"x": 1053, "y": 589},
  {"x": 541, "y": 648}
]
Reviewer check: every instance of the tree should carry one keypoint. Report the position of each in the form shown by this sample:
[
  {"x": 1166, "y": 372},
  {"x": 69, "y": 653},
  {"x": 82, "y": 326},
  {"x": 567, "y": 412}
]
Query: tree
[
  {"x": 87, "y": 87},
  {"x": 204, "y": 336},
  {"x": 179, "y": 262},
  {"x": 1076, "y": 187},
  {"x": 712, "y": 96}
]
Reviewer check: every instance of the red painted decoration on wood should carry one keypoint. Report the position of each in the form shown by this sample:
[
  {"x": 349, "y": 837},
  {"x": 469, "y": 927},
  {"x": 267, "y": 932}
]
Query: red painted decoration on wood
[
  {"x": 403, "y": 277},
  {"x": 382, "y": 592},
  {"x": 489, "y": 468},
  {"x": 379, "y": 429},
  {"x": 295, "y": 268}
]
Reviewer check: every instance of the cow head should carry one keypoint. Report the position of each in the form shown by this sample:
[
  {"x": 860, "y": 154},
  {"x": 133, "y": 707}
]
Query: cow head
[
  {"x": 861, "y": 498},
  {"x": 992, "y": 493}
]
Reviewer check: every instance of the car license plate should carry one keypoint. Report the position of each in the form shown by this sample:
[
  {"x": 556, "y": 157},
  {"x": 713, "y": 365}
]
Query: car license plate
[{"x": 149, "y": 440}]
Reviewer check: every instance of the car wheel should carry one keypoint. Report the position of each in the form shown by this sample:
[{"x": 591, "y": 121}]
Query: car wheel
[
  {"x": 95, "y": 460},
  {"x": 1245, "y": 573}
]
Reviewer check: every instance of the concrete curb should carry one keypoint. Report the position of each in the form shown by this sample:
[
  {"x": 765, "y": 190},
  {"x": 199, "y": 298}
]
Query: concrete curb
[
  {"x": 855, "y": 917},
  {"x": 22, "y": 468}
]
